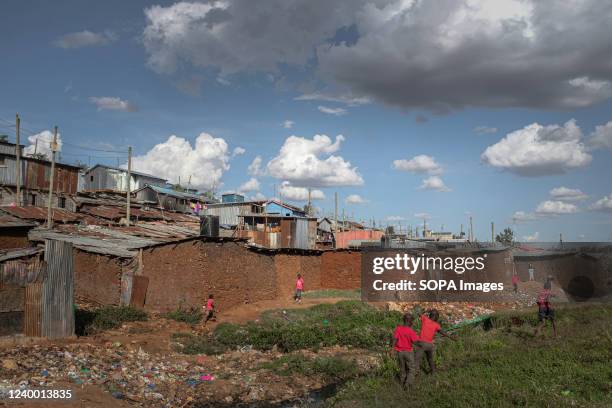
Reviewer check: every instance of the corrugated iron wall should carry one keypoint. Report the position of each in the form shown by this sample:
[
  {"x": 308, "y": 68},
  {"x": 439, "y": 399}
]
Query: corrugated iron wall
[
  {"x": 33, "y": 310},
  {"x": 58, "y": 291}
]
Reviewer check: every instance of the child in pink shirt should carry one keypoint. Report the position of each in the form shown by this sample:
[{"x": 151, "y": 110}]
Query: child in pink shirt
[
  {"x": 209, "y": 308},
  {"x": 299, "y": 288}
]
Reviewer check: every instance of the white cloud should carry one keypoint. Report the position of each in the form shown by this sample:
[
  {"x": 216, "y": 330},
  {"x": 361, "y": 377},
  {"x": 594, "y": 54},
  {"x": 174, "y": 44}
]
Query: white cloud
[
  {"x": 85, "y": 39},
  {"x": 43, "y": 146},
  {"x": 205, "y": 161},
  {"x": 223, "y": 81},
  {"x": 419, "y": 164},
  {"x": 112, "y": 103},
  {"x": 522, "y": 216},
  {"x": 332, "y": 111},
  {"x": 311, "y": 162},
  {"x": 603, "y": 204},
  {"x": 422, "y": 215},
  {"x": 484, "y": 130},
  {"x": 255, "y": 169},
  {"x": 602, "y": 136},
  {"x": 434, "y": 183},
  {"x": 395, "y": 218},
  {"x": 355, "y": 199},
  {"x": 250, "y": 185},
  {"x": 238, "y": 151},
  {"x": 346, "y": 99},
  {"x": 296, "y": 193},
  {"x": 567, "y": 194},
  {"x": 552, "y": 208},
  {"x": 531, "y": 238},
  {"x": 288, "y": 124},
  {"x": 538, "y": 150},
  {"x": 258, "y": 196}
]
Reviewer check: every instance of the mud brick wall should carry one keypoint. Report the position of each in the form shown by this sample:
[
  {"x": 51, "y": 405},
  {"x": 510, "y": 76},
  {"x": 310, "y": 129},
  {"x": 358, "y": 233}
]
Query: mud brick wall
[
  {"x": 287, "y": 268},
  {"x": 341, "y": 270},
  {"x": 12, "y": 238},
  {"x": 97, "y": 277},
  {"x": 184, "y": 274}
]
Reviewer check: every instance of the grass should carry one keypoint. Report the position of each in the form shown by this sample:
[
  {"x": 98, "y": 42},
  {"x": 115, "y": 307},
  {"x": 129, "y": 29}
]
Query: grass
[
  {"x": 506, "y": 366},
  {"x": 190, "y": 316},
  {"x": 333, "y": 293},
  {"x": 346, "y": 323},
  {"x": 331, "y": 368},
  {"x": 110, "y": 317}
]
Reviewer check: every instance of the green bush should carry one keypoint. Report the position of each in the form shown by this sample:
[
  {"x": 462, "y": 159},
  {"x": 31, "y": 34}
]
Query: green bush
[
  {"x": 328, "y": 367},
  {"x": 110, "y": 317},
  {"x": 190, "y": 316}
]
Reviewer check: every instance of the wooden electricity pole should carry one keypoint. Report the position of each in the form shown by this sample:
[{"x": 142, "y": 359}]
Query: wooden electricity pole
[
  {"x": 129, "y": 181},
  {"x": 492, "y": 232},
  {"x": 18, "y": 159},
  {"x": 50, "y": 198}
]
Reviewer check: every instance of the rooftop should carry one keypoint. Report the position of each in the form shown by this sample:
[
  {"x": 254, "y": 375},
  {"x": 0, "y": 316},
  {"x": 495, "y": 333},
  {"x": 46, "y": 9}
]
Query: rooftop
[{"x": 137, "y": 173}]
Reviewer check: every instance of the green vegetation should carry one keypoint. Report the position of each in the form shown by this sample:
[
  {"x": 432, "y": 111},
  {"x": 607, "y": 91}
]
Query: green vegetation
[
  {"x": 89, "y": 322},
  {"x": 346, "y": 323},
  {"x": 505, "y": 366},
  {"x": 333, "y": 293},
  {"x": 190, "y": 316},
  {"x": 329, "y": 367}
]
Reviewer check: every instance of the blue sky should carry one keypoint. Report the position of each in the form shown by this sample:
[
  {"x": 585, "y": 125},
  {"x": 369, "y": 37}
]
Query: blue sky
[{"x": 236, "y": 73}]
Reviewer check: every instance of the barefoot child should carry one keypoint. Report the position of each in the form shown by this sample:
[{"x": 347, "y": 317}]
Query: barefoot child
[
  {"x": 403, "y": 339},
  {"x": 299, "y": 288},
  {"x": 429, "y": 328},
  {"x": 209, "y": 308}
]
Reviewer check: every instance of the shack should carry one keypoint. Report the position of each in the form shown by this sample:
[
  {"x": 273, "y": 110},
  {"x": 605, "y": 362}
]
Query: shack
[
  {"x": 278, "y": 231},
  {"x": 14, "y": 232}
]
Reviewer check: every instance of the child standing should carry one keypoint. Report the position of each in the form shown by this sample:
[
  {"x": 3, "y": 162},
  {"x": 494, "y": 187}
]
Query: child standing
[
  {"x": 545, "y": 311},
  {"x": 429, "y": 328},
  {"x": 299, "y": 288},
  {"x": 515, "y": 281},
  {"x": 403, "y": 339},
  {"x": 209, "y": 309}
]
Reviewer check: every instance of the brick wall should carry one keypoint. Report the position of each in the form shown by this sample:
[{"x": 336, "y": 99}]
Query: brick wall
[
  {"x": 97, "y": 277},
  {"x": 11, "y": 238},
  {"x": 341, "y": 270},
  {"x": 289, "y": 265},
  {"x": 184, "y": 274}
]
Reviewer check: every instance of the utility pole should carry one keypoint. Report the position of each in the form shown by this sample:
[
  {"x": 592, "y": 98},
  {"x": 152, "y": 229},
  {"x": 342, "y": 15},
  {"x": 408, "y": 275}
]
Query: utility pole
[
  {"x": 18, "y": 159},
  {"x": 309, "y": 201},
  {"x": 471, "y": 230},
  {"x": 336, "y": 209},
  {"x": 492, "y": 232},
  {"x": 50, "y": 198},
  {"x": 129, "y": 182}
]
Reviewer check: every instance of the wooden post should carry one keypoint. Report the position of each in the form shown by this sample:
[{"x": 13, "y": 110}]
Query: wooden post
[
  {"x": 18, "y": 159},
  {"x": 51, "y": 179},
  {"x": 129, "y": 192}
]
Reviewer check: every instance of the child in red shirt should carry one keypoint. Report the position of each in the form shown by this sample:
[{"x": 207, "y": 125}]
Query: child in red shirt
[
  {"x": 403, "y": 339},
  {"x": 515, "y": 281},
  {"x": 299, "y": 288},
  {"x": 209, "y": 308},
  {"x": 429, "y": 328},
  {"x": 545, "y": 311}
]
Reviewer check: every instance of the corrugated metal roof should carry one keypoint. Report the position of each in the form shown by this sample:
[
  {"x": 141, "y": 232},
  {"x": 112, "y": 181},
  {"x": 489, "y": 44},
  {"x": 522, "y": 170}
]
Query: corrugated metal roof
[
  {"x": 174, "y": 193},
  {"x": 8, "y": 221},
  {"x": 123, "y": 242},
  {"x": 40, "y": 213},
  {"x": 7, "y": 255},
  {"x": 136, "y": 173}
]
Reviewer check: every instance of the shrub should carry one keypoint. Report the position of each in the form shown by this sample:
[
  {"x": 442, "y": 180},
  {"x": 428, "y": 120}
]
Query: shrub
[
  {"x": 190, "y": 316},
  {"x": 110, "y": 317}
]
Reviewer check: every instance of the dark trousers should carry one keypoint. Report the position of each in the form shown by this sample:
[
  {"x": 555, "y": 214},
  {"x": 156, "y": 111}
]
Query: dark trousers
[
  {"x": 407, "y": 367},
  {"x": 427, "y": 349},
  {"x": 209, "y": 315}
]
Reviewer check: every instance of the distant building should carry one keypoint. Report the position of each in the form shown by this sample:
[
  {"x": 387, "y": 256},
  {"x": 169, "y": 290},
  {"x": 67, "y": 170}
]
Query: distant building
[
  {"x": 232, "y": 198},
  {"x": 274, "y": 231},
  {"x": 102, "y": 177},
  {"x": 229, "y": 212},
  {"x": 282, "y": 208},
  {"x": 441, "y": 236},
  {"x": 35, "y": 177},
  {"x": 168, "y": 199}
]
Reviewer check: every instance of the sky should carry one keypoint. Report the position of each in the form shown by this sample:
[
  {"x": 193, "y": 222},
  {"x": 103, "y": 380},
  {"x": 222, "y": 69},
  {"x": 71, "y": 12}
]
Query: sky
[{"x": 409, "y": 110}]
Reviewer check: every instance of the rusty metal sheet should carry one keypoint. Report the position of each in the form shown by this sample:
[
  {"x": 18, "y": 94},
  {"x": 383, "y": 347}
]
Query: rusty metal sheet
[
  {"x": 11, "y": 323},
  {"x": 21, "y": 273},
  {"x": 32, "y": 319},
  {"x": 38, "y": 174},
  {"x": 140, "y": 284},
  {"x": 11, "y": 299},
  {"x": 58, "y": 291},
  {"x": 40, "y": 213}
]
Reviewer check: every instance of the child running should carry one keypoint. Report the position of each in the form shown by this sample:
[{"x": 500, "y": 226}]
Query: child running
[
  {"x": 210, "y": 309},
  {"x": 403, "y": 339},
  {"x": 515, "y": 282},
  {"x": 429, "y": 328},
  {"x": 299, "y": 288},
  {"x": 545, "y": 311}
]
